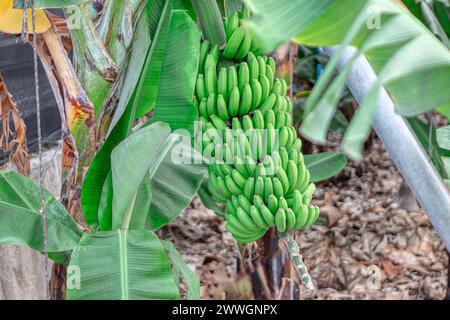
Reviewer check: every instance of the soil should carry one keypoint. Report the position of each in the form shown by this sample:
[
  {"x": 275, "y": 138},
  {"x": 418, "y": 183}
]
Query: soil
[{"x": 377, "y": 243}]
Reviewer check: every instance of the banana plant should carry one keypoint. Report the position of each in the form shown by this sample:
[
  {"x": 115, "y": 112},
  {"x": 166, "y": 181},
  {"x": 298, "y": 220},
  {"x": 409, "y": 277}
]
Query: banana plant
[
  {"x": 144, "y": 77},
  {"x": 122, "y": 258}
]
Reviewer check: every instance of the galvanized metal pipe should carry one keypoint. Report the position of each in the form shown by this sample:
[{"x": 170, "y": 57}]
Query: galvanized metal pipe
[{"x": 403, "y": 147}]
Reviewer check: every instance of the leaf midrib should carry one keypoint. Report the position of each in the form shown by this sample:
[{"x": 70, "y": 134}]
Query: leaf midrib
[{"x": 123, "y": 263}]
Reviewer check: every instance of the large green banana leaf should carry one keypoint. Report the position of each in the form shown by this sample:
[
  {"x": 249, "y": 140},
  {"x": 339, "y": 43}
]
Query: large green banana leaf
[
  {"x": 411, "y": 63},
  {"x": 121, "y": 265},
  {"x": 160, "y": 12},
  {"x": 176, "y": 98},
  {"x": 175, "y": 181},
  {"x": 155, "y": 175},
  {"x": 21, "y": 219},
  {"x": 131, "y": 160}
]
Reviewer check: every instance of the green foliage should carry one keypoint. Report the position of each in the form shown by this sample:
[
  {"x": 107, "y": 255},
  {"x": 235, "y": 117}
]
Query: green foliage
[
  {"x": 174, "y": 102},
  {"x": 323, "y": 166},
  {"x": 21, "y": 219},
  {"x": 182, "y": 269},
  {"x": 121, "y": 265}
]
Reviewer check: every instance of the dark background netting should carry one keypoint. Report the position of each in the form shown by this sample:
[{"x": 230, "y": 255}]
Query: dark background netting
[{"x": 16, "y": 67}]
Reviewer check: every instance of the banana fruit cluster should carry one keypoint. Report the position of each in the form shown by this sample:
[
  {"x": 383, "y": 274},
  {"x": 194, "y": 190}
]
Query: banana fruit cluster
[
  {"x": 239, "y": 42},
  {"x": 257, "y": 169}
]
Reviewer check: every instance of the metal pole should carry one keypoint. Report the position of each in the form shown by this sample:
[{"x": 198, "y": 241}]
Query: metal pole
[{"x": 403, "y": 147}]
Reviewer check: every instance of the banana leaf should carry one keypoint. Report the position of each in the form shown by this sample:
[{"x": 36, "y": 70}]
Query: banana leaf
[
  {"x": 411, "y": 63},
  {"x": 155, "y": 175},
  {"x": 176, "y": 98},
  {"x": 21, "y": 218},
  {"x": 121, "y": 265},
  {"x": 323, "y": 166},
  {"x": 190, "y": 279}
]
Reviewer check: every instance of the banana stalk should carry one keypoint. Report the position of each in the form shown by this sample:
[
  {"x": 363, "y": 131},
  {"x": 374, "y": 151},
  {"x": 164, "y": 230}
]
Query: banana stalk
[{"x": 95, "y": 68}]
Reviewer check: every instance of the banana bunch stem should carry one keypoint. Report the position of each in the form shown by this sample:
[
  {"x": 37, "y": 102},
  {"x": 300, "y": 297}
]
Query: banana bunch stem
[{"x": 297, "y": 261}]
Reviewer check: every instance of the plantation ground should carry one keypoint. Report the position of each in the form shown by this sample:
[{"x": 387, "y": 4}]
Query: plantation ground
[{"x": 377, "y": 244}]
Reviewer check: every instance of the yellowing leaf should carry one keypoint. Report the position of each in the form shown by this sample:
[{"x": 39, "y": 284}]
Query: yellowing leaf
[{"x": 11, "y": 19}]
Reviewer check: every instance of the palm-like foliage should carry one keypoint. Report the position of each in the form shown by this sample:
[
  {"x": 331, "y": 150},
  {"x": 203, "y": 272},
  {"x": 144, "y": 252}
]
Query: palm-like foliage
[{"x": 132, "y": 187}]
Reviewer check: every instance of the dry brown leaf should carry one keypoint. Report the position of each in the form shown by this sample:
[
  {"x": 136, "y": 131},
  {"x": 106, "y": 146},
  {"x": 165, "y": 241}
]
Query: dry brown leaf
[{"x": 13, "y": 138}]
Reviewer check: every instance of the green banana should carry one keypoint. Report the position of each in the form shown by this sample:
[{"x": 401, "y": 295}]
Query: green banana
[
  {"x": 246, "y": 100},
  {"x": 279, "y": 119},
  {"x": 232, "y": 186},
  {"x": 222, "y": 109},
  {"x": 272, "y": 65},
  {"x": 261, "y": 65},
  {"x": 281, "y": 175},
  {"x": 223, "y": 187},
  {"x": 267, "y": 215},
  {"x": 211, "y": 105},
  {"x": 270, "y": 75},
  {"x": 203, "y": 108},
  {"x": 210, "y": 81},
  {"x": 269, "y": 103},
  {"x": 238, "y": 178},
  {"x": 272, "y": 204},
  {"x": 247, "y": 123},
  {"x": 204, "y": 49},
  {"x": 290, "y": 219},
  {"x": 210, "y": 62},
  {"x": 256, "y": 94},
  {"x": 243, "y": 76},
  {"x": 250, "y": 165},
  {"x": 244, "y": 203},
  {"x": 258, "y": 217},
  {"x": 268, "y": 188},
  {"x": 234, "y": 43},
  {"x": 293, "y": 155},
  {"x": 284, "y": 156},
  {"x": 249, "y": 188},
  {"x": 277, "y": 187},
  {"x": 232, "y": 24},
  {"x": 277, "y": 87},
  {"x": 245, "y": 47},
  {"x": 265, "y": 87},
  {"x": 200, "y": 87},
  {"x": 222, "y": 84},
  {"x": 218, "y": 123},
  {"x": 280, "y": 220},
  {"x": 292, "y": 173},
  {"x": 233, "y": 104},
  {"x": 259, "y": 187},
  {"x": 258, "y": 120},
  {"x": 301, "y": 217},
  {"x": 283, "y": 87},
  {"x": 253, "y": 66}
]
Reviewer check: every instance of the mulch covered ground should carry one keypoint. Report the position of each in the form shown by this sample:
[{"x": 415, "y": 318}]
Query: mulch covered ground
[{"x": 371, "y": 248}]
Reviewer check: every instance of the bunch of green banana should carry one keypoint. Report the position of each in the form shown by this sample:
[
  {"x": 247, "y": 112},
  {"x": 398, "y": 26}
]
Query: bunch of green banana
[
  {"x": 239, "y": 42},
  {"x": 257, "y": 169}
]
